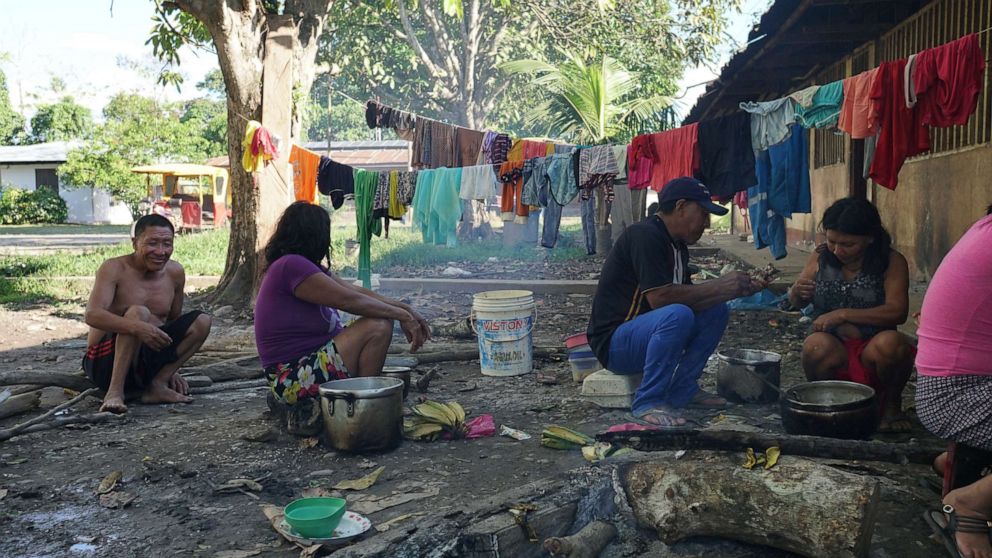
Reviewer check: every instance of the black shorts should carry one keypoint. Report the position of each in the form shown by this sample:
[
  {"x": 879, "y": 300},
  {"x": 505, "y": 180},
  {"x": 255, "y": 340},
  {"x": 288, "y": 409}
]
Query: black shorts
[{"x": 99, "y": 360}]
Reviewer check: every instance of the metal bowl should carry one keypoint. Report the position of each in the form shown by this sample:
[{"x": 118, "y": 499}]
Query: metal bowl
[
  {"x": 830, "y": 408},
  {"x": 400, "y": 373}
]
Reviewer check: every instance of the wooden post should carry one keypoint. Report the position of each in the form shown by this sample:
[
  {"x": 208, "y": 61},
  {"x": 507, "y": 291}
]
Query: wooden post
[{"x": 275, "y": 181}]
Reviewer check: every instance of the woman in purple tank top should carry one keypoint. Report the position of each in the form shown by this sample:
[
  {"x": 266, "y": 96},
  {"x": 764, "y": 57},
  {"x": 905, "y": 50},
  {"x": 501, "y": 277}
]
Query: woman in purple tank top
[{"x": 298, "y": 331}]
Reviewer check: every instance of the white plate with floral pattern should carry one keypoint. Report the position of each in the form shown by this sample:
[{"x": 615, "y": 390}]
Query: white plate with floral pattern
[{"x": 352, "y": 526}]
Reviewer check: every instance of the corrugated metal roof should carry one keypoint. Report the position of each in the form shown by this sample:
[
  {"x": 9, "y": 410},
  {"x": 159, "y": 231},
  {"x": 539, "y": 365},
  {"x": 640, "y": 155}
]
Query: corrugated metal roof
[{"x": 51, "y": 152}]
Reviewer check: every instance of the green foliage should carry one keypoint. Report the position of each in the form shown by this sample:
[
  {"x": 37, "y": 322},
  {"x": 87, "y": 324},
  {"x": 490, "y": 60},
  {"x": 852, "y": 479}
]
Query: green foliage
[
  {"x": 213, "y": 84},
  {"x": 588, "y": 103},
  {"x": 64, "y": 120},
  {"x": 347, "y": 116},
  {"x": 11, "y": 122},
  {"x": 173, "y": 29},
  {"x": 368, "y": 48},
  {"x": 207, "y": 119},
  {"x": 25, "y": 207},
  {"x": 136, "y": 131}
]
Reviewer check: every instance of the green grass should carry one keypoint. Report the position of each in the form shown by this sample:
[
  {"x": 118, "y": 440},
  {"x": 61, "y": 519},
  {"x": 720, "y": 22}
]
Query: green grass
[
  {"x": 39, "y": 278},
  {"x": 65, "y": 229}
]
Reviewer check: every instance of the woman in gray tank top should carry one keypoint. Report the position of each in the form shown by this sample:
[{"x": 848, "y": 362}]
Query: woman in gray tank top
[{"x": 859, "y": 288}]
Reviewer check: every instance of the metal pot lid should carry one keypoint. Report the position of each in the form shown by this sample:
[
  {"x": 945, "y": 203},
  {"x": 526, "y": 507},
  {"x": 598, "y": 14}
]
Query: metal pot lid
[
  {"x": 829, "y": 395},
  {"x": 749, "y": 357},
  {"x": 372, "y": 387}
]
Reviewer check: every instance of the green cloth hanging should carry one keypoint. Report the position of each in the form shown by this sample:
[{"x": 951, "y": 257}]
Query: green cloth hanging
[{"x": 366, "y": 183}]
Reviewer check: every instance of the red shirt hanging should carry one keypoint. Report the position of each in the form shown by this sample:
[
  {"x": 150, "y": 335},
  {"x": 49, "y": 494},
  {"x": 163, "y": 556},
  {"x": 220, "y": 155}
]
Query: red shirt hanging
[
  {"x": 902, "y": 133},
  {"x": 677, "y": 155},
  {"x": 947, "y": 81}
]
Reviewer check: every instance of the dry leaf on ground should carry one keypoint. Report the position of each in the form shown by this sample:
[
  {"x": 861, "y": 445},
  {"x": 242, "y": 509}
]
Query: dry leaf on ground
[
  {"x": 109, "y": 482},
  {"x": 117, "y": 500},
  {"x": 307, "y": 443},
  {"x": 360, "y": 483}
]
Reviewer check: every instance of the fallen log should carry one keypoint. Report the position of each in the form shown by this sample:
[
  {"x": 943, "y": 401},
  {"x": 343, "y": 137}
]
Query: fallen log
[
  {"x": 17, "y": 428},
  {"x": 239, "y": 368},
  {"x": 18, "y": 404},
  {"x": 75, "y": 382},
  {"x": 58, "y": 422},
  {"x": 589, "y": 542},
  {"x": 799, "y": 505},
  {"x": 913, "y": 451},
  {"x": 227, "y": 386},
  {"x": 20, "y": 390}
]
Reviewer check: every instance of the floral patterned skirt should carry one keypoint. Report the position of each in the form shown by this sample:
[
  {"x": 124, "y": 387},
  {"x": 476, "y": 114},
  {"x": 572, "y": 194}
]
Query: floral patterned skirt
[{"x": 292, "y": 381}]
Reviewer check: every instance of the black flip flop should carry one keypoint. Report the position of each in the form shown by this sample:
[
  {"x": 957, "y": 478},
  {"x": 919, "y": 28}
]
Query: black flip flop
[
  {"x": 945, "y": 528},
  {"x": 640, "y": 420}
]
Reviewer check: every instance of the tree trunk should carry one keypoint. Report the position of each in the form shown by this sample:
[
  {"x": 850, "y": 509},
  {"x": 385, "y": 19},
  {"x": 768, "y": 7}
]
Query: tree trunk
[
  {"x": 238, "y": 31},
  {"x": 799, "y": 505}
]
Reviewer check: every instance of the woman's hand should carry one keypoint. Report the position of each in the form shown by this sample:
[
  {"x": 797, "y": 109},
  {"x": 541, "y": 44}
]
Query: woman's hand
[
  {"x": 829, "y": 321},
  {"x": 803, "y": 290}
]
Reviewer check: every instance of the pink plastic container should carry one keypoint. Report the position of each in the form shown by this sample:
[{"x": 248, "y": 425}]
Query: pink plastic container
[{"x": 576, "y": 340}]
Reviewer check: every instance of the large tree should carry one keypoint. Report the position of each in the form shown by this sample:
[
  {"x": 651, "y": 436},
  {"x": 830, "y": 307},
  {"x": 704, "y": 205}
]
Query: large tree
[
  {"x": 11, "y": 122},
  {"x": 236, "y": 31},
  {"x": 443, "y": 58},
  {"x": 64, "y": 120}
]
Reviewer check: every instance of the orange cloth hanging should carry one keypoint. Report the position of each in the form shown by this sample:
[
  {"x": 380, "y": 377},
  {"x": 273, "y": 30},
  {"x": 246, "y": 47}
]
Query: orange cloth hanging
[{"x": 305, "y": 165}]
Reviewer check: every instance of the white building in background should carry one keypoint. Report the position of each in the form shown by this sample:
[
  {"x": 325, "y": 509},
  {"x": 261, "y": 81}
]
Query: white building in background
[{"x": 36, "y": 166}]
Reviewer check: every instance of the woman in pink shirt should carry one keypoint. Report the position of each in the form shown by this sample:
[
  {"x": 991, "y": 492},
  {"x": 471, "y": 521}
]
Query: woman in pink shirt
[{"x": 954, "y": 388}]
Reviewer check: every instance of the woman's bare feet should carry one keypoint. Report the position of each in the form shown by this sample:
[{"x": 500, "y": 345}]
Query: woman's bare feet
[
  {"x": 161, "y": 393},
  {"x": 970, "y": 545},
  {"x": 113, "y": 404}
]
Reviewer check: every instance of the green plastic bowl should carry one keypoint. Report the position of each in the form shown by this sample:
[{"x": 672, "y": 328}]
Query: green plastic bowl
[{"x": 315, "y": 517}]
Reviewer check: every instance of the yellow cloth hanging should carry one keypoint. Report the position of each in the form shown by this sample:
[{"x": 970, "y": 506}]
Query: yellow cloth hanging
[
  {"x": 396, "y": 209},
  {"x": 251, "y": 163}
]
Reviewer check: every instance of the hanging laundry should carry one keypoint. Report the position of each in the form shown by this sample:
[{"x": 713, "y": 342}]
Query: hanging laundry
[
  {"x": 947, "y": 81},
  {"x": 563, "y": 176},
  {"x": 726, "y": 160},
  {"x": 366, "y": 183},
  {"x": 902, "y": 133},
  {"x": 372, "y": 110},
  {"x": 495, "y": 147},
  {"x": 767, "y": 227},
  {"x": 468, "y": 144},
  {"x": 825, "y": 109},
  {"x": 406, "y": 183},
  {"x": 804, "y": 97},
  {"x": 535, "y": 175},
  {"x": 422, "y": 199},
  {"x": 442, "y": 150},
  {"x": 628, "y": 205},
  {"x": 263, "y": 145},
  {"x": 677, "y": 155},
  {"x": 250, "y": 161},
  {"x": 397, "y": 209},
  {"x": 597, "y": 170},
  {"x": 446, "y": 207},
  {"x": 641, "y": 158},
  {"x": 511, "y": 175},
  {"x": 788, "y": 189},
  {"x": 421, "y": 143},
  {"x": 858, "y": 117},
  {"x": 551, "y": 208},
  {"x": 769, "y": 121},
  {"x": 380, "y": 201},
  {"x": 336, "y": 180},
  {"x": 478, "y": 183},
  {"x": 305, "y": 164},
  {"x": 782, "y": 190}
]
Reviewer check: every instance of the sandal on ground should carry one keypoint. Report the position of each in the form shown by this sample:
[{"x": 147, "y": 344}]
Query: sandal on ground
[
  {"x": 945, "y": 522},
  {"x": 661, "y": 418},
  {"x": 706, "y": 400}
]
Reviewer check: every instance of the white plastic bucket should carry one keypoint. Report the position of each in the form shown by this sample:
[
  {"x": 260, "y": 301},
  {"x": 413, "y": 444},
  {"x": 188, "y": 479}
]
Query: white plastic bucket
[{"x": 504, "y": 323}]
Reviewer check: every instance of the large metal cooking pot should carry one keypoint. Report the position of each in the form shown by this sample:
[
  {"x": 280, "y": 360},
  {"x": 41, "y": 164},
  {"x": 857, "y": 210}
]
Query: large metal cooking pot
[
  {"x": 363, "y": 414},
  {"x": 400, "y": 373},
  {"x": 749, "y": 376},
  {"x": 831, "y": 408}
]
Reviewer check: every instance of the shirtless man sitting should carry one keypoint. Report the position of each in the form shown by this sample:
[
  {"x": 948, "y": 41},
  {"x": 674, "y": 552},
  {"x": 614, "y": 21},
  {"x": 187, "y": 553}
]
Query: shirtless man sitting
[{"x": 138, "y": 339}]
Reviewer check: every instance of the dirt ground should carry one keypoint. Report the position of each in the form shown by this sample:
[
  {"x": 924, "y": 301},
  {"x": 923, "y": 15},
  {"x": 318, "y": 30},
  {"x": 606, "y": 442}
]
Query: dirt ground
[{"x": 171, "y": 456}]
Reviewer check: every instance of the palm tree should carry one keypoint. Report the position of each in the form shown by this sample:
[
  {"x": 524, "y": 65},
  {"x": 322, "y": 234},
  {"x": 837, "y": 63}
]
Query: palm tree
[{"x": 590, "y": 103}]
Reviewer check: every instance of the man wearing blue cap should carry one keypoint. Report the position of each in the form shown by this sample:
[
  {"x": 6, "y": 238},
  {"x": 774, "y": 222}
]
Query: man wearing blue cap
[{"x": 648, "y": 317}]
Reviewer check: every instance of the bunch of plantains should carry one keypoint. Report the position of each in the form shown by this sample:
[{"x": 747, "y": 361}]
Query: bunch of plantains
[
  {"x": 433, "y": 419},
  {"x": 559, "y": 437}
]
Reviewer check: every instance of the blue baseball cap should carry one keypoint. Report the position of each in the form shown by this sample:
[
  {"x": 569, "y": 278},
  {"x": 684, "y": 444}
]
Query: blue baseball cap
[{"x": 688, "y": 188}]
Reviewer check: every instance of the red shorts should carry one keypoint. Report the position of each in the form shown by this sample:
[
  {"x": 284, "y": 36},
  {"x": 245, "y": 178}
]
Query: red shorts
[{"x": 856, "y": 370}]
